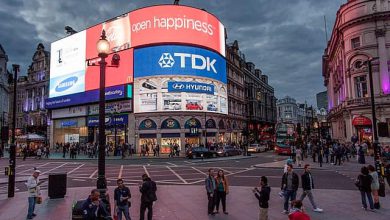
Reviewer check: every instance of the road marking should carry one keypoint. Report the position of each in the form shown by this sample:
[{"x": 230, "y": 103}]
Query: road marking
[
  {"x": 146, "y": 171},
  {"x": 55, "y": 168},
  {"x": 81, "y": 180},
  {"x": 172, "y": 164},
  {"x": 188, "y": 162},
  {"x": 242, "y": 171},
  {"x": 225, "y": 171},
  {"x": 31, "y": 169},
  {"x": 178, "y": 176},
  {"x": 75, "y": 169},
  {"x": 90, "y": 177},
  {"x": 199, "y": 171},
  {"x": 257, "y": 176},
  {"x": 120, "y": 172},
  {"x": 198, "y": 181}
]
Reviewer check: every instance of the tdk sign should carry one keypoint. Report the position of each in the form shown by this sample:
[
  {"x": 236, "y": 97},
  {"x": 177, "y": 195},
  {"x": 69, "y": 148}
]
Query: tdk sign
[
  {"x": 194, "y": 87},
  {"x": 66, "y": 84},
  {"x": 179, "y": 60},
  {"x": 197, "y": 61}
]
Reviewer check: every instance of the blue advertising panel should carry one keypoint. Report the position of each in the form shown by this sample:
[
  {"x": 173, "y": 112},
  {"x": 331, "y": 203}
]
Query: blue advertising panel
[
  {"x": 93, "y": 121},
  {"x": 194, "y": 87},
  {"x": 112, "y": 93},
  {"x": 179, "y": 60}
]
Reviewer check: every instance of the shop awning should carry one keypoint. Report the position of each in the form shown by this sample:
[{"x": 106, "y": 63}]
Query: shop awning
[
  {"x": 361, "y": 121},
  {"x": 31, "y": 137}
]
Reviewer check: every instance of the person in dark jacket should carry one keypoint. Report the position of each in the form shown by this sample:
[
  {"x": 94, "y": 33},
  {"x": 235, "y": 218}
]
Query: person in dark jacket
[
  {"x": 121, "y": 200},
  {"x": 263, "y": 196},
  {"x": 93, "y": 208},
  {"x": 290, "y": 184},
  {"x": 363, "y": 182},
  {"x": 361, "y": 156},
  {"x": 211, "y": 188},
  {"x": 148, "y": 190},
  {"x": 308, "y": 186}
]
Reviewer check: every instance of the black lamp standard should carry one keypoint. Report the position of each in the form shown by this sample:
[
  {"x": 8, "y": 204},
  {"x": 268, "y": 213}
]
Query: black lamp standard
[
  {"x": 377, "y": 152},
  {"x": 103, "y": 48},
  {"x": 12, "y": 152}
]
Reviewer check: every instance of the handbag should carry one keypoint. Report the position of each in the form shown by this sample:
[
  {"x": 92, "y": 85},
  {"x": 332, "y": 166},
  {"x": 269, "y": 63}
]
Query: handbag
[
  {"x": 382, "y": 191},
  {"x": 38, "y": 200},
  {"x": 357, "y": 182}
]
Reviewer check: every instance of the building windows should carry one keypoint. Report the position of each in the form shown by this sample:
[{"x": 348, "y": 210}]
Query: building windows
[
  {"x": 355, "y": 42},
  {"x": 361, "y": 86}
]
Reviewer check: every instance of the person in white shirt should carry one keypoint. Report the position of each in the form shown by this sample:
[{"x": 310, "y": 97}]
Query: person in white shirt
[{"x": 33, "y": 192}]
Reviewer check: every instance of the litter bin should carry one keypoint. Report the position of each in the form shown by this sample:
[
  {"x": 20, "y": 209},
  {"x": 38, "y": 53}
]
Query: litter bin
[{"x": 57, "y": 185}]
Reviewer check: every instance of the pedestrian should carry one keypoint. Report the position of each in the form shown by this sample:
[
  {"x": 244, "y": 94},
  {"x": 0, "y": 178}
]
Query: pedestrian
[
  {"x": 210, "y": 184},
  {"x": 25, "y": 152},
  {"x": 308, "y": 186},
  {"x": 93, "y": 208},
  {"x": 297, "y": 212},
  {"x": 33, "y": 187},
  {"x": 290, "y": 184},
  {"x": 39, "y": 153},
  {"x": 363, "y": 182},
  {"x": 148, "y": 190},
  {"x": 361, "y": 156},
  {"x": 263, "y": 196},
  {"x": 299, "y": 156},
  {"x": 121, "y": 200},
  {"x": 157, "y": 150},
  {"x": 222, "y": 185},
  {"x": 320, "y": 155},
  {"x": 374, "y": 185}
]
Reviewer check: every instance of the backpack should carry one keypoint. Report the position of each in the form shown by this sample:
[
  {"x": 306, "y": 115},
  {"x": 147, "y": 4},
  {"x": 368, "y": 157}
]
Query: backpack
[{"x": 152, "y": 191}]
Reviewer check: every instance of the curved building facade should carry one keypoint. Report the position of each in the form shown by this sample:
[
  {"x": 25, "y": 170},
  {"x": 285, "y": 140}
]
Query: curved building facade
[{"x": 360, "y": 32}]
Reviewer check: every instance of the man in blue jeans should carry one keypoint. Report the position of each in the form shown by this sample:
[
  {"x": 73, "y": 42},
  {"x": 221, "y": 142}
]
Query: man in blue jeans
[
  {"x": 121, "y": 196},
  {"x": 290, "y": 184},
  {"x": 33, "y": 192}
]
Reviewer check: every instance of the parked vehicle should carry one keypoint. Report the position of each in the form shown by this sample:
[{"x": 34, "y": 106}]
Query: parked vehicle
[
  {"x": 257, "y": 148},
  {"x": 199, "y": 152},
  {"x": 226, "y": 151}
]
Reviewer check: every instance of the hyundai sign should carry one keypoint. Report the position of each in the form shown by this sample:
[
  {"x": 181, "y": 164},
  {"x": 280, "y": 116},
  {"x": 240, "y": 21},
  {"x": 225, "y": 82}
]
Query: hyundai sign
[
  {"x": 179, "y": 60},
  {"x": 190, "y": 87}
]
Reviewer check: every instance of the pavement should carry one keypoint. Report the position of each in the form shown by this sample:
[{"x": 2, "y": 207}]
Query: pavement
[{"x": 190, "y": 203}]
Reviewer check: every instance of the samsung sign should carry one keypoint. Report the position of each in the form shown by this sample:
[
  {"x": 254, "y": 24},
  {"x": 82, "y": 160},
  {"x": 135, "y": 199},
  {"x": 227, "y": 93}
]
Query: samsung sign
[
  {"x": 190, "y": 87},
  {"x": 179, "y": 60}
]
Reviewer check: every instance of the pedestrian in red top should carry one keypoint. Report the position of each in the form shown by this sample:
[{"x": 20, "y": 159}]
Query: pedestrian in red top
[{"x": 297, "y": 211}]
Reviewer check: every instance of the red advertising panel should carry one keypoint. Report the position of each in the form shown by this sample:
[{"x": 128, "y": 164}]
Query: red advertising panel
[
  {"x": 122, "y": 74},
  {"x": 117, "y": 32},
  {"x": 176, "y": 24}
]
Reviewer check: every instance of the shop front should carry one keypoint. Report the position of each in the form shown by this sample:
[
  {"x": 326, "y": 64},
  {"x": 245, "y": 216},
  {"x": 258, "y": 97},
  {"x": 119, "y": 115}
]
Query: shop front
[
  {"x": 116, "y": 128},
  {"x": 148, "y": 134},
  {"x": 70, "y": 130},
  {"x": 193, "y": 129},
  {"x": 170, "y": 135},
  {"x": 363, "y": 127}
]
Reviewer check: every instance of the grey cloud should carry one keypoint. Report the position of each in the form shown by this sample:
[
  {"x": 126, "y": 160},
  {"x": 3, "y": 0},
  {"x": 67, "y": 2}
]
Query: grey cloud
[{"x": 284, "y": 38}]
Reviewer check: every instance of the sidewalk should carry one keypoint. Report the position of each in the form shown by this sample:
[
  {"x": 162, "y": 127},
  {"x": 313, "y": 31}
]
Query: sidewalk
[{"x": 190, "y": 203}]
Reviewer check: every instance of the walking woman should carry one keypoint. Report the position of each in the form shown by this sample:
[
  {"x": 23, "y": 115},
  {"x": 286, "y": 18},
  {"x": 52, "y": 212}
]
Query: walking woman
[
  {"x": 374, "y": 185},
  {"x": 363, "y": 182},
  {"x": 222, "y": 190}
]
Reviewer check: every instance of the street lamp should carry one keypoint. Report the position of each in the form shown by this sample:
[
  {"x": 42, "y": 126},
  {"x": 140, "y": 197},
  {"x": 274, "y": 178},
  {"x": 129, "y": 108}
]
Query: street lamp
[
  {"x": 103, "y": 49},
  {"x": 12, "y": 152},
  {"x": 375, "y": 143}
]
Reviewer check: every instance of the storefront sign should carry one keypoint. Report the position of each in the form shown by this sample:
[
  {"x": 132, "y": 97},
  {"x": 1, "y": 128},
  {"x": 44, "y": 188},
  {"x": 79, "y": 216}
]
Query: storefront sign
[
  {"x": 190, "y": 87},
  {"x": 147, "y": 124},
  {"x": 112, "y": 93},
  {"x": 112, "y": 107},
  {"x": 69, "y": 123},
  {"x": 69, "y": 112},
  {"x": 361, "y": 121},
  {"x": 110, "y": 120}
]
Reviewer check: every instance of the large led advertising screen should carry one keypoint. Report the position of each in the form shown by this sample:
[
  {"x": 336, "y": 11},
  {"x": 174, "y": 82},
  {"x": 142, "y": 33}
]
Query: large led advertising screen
[{"x": 179, "y": 78}]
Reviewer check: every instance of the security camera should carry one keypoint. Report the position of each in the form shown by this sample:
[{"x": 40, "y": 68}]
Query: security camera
[{"x": 115, "y": 60}]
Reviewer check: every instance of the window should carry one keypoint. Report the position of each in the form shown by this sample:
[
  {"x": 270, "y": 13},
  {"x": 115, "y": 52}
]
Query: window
[
  {"x": 361, "y": 86},
  {"x": 355, "y": 42}
]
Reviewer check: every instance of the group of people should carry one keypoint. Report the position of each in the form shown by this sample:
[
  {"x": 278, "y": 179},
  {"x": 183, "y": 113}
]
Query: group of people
[
  {"x": 146, "y": 148},
  {"x": 42, "y": 151},
  {"x": 368, "y": 185}
]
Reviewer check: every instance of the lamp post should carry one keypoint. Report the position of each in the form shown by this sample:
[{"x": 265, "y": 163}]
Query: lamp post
[
  {"x": 373, "y": 112},
  {"x": 103, "y": 48},
  {"x": 12, "y": 149}
]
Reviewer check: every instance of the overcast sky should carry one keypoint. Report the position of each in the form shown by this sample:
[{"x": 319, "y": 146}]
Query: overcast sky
[{"x": 284, "y": 38}]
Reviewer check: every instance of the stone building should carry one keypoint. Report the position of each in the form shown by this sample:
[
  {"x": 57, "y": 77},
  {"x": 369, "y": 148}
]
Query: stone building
[{"x": 360, "y": 32}]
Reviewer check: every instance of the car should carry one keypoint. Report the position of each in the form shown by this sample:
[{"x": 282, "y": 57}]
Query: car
[
  {"x": 200, "y": 152},
  {"x": 172, "y": 106},
  {"x": 257, "y": 148},
  {"x": 226, "y": 151},
  {"x": 212, "y": 107},
  {"x": 193, "y": 106}
]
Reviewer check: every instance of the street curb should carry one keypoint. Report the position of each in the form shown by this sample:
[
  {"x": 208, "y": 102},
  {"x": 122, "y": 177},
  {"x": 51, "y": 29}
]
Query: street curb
[{"x": 221, "y": 159}]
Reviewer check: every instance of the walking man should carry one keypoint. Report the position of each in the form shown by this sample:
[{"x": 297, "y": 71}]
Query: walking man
[
  {"x": 308, "y": 186},
  {"x": 290, "y": 184},
  {"x": 121, "y": 197},
  {"x": 211, "y": 191},
  {"x": 263, "y": 196},
  {"x": 33, "y": 192},
  {"x": 148, "y": 190}
]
